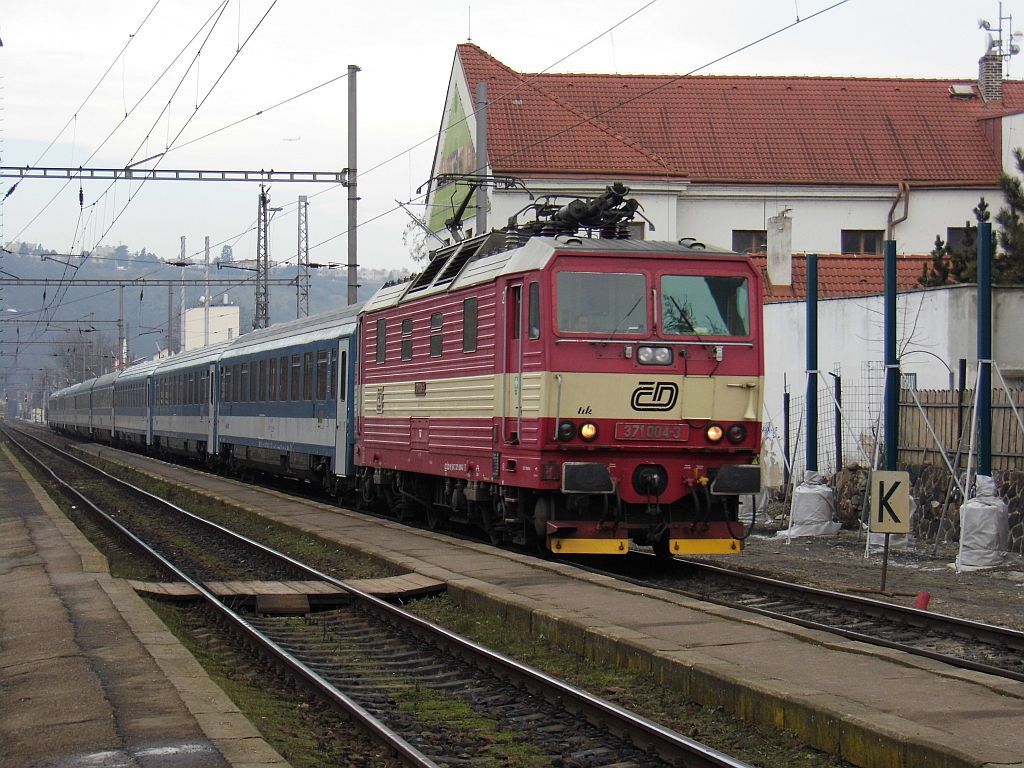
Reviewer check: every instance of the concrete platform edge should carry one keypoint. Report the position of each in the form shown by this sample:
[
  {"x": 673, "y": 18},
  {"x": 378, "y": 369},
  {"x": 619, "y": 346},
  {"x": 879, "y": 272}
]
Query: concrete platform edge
[{"x": 241, "y": 745}]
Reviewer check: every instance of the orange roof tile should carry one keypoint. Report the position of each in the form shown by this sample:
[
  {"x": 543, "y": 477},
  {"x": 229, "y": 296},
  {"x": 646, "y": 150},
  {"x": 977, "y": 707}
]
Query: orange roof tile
[
  {"x": 754, "y": 130},
  {"x": 844, "y": 275}
]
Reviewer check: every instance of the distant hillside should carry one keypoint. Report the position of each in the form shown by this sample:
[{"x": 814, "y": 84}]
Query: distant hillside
[{"x": 145, "y": 310}]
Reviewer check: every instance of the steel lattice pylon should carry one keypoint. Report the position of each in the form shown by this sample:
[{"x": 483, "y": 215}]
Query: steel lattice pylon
[
  {"x": 261, "y": 318},
  {"x": 302, "y": 280}
]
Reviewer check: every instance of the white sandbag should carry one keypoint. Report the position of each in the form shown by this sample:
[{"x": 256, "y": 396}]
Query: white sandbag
[
  {"x": 984, "y": 528},
  {"x": 813, "y": 509}
]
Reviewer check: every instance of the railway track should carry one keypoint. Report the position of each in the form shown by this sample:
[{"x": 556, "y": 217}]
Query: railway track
[
  {"x": 391, "y": 672},
  {"x": 958, "y": 642}
]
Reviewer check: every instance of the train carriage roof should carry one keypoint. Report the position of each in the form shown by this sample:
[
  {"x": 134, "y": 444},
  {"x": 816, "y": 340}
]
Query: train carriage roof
[
  {"x": 192, "y": 358},
  {"x": 333, "y": 324},
  {"x": 104, "y": 381},
  {"x": 138, "y": 371}
]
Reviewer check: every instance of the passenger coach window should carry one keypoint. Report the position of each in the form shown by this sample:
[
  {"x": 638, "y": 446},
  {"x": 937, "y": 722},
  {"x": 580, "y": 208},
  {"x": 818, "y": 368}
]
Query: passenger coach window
[
  {"x": 235, "y": 378},
  {"x": 321, "y": 375},
  {"x": 436, "y": 337},
  {"x": 263, "y": 380},
  {"x": 244, "y": 385},
  {"x": 602, "y": 302},
  {"x": 692, "y": 305},
  {"x": 382, "y": 340},
  {"x": 307, "y": 376},
  {"x": 253, "y": 383},
  {"x": 296, "y": 377},
  {"x": 272, "y": 385},
  {"x": 334, "y": 374},
  {"x": 469, "y": 324},
  {"x": 282, "y": 373},
  {"x": 407, "y": 339},
  {"x": 342, "y": 374}
]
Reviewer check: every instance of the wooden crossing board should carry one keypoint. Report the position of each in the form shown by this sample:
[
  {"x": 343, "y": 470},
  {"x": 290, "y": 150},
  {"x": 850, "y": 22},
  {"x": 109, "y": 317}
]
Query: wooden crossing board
[{"x": 395, "y": 587}]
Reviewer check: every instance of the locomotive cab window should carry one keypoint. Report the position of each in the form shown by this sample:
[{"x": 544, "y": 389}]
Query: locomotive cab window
[
  {"x": 695, "y": 305},
  {"x": 533, "y": 308},
  {"x": 601, "y": 302}
]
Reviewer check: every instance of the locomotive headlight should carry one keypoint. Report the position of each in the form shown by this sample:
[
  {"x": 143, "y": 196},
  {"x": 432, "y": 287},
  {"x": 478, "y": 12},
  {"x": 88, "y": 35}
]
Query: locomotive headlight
[
  {"x": 737, "y": 433},
  {"x": 654, "y": 355},
  {"x": 714, "y": 433},
  {"x": 566, "y": 431},
  {"x": 588, "y": 431}
]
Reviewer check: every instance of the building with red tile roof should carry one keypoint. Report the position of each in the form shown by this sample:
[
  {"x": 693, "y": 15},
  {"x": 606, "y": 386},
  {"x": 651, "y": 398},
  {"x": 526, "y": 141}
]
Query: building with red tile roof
[{"x": 849, "y": 161}]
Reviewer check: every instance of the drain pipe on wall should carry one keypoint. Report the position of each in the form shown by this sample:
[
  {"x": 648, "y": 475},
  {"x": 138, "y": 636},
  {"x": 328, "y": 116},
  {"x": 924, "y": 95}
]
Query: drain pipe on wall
[{"x": 902, "y": 192}]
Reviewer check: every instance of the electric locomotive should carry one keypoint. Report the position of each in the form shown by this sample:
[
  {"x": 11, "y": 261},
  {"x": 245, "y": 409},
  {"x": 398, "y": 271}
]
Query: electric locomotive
[{"x": 579, "y": 393}]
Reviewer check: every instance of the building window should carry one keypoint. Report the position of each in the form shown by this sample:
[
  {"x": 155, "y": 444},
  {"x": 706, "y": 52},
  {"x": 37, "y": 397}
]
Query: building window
[
  {"x": 955, "y": 237},
  {"x": 909, "y": 380},
  {"x": 469, "y": 324},
  {"x": 407, "y": 339},
  {"x": 382, "y": 340},
  {"x": 436, "y": 337},
  {"x": 749, "y": 240},
  {"x": 862, "y": 241}
]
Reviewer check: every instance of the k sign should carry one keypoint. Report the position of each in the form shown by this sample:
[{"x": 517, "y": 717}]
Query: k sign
[{"x": 890, "y": 502}]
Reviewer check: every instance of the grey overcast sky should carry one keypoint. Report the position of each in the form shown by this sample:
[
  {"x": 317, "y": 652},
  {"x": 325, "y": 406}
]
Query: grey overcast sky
[{"x": 54, "y": 52}]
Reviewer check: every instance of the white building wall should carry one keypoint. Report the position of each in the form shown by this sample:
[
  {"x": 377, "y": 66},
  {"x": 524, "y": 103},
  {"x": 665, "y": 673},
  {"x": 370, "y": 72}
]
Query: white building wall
[
  {"x": 1012, "y": 138},
  {"x": 935, "y": 328},
  {"x": 819, "y": 214},
  {"x": 224, "y": 325}
]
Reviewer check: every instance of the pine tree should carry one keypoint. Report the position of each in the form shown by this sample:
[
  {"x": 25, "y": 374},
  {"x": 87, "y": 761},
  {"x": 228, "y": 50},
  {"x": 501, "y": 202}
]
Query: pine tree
[
  {"x": 1008, "y": 266},
  {"x": 936, "y": 273}
]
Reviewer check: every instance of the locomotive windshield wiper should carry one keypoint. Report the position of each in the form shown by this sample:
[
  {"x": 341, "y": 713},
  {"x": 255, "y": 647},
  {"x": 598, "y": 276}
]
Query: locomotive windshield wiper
[
  {"x": 683, "y": 316},
  {"x": 626, "y": 316}
]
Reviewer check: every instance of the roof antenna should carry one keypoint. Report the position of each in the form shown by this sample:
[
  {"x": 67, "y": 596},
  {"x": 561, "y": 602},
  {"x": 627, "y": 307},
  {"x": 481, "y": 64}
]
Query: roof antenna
[{"x": 469, "y": 23}]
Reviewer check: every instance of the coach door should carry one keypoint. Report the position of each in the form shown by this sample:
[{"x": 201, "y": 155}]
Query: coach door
[
  {"x": 339, "y": 388},
  {"x": 211, "y": 421},
  {"x": 512, "y": 411}
]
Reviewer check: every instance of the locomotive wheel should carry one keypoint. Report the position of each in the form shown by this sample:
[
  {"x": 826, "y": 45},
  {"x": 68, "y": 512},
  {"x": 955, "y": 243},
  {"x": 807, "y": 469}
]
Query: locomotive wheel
[
  {"x": 542, "y": 512},
  {"x": 436, "y": 517}
]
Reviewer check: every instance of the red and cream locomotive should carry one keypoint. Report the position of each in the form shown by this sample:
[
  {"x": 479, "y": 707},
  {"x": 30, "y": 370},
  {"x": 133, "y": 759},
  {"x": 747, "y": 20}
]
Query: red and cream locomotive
[{"x": 578, "y": 393}]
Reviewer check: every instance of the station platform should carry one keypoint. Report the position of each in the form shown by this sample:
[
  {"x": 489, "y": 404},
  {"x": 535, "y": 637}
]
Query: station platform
[{"x": 88, "y": 674}]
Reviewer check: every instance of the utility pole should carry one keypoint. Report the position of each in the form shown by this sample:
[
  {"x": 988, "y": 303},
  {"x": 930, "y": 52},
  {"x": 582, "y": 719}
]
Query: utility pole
[
  {"x": 302, "y": 278},
  {"x": 206, "y": 295},
  {"x": 353, "y": 197},
  {"x": 122, "y": 356},
  {"x": 181, "y": 323},
  {"x": 261, "y": 318},
  {"x": 170, "y": 316}
]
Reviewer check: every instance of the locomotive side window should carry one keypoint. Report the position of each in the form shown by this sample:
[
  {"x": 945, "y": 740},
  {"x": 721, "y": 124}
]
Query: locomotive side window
[
  {"x": 534, "y": 310},
  {"x": 382, "y": 340},
  {"x": 407, "y": 339},
  {"x": 436, "y": 339},
  {"x": 608, "y": 303},
  {"x": 694, "y": 305},
  {"x": 469, "y": 324}
]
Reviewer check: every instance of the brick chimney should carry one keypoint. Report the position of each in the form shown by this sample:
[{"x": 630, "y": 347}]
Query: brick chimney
[{"x": 990, "y": 75}]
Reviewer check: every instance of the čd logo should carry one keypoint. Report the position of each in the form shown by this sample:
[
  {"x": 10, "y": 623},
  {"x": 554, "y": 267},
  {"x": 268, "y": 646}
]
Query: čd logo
[{"x": 655, "y": 396}]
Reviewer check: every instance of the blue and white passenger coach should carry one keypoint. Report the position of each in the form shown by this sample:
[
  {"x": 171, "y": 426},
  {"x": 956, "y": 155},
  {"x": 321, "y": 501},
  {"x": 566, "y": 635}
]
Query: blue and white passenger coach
[
  {"x": 284, "y": 404},
  {"x": 184, "y": 419}
]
